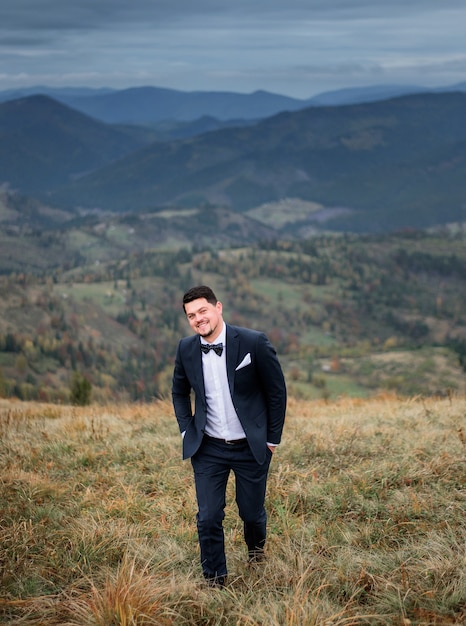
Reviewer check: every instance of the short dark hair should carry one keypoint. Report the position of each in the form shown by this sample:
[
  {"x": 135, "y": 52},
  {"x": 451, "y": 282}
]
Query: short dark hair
[{"x": 201, "y": 291}]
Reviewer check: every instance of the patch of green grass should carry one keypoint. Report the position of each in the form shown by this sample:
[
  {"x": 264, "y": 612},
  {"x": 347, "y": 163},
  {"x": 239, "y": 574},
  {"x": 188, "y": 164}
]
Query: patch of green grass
[
  {"x": 317, "y": 337},
  {"x": 82, "y": 240},
  {"x": 341, "y": 385},
  {"x": 289, "y": 211},
  {"x": 120, "y": 234},
  {"x": 103, "y": 294},
  {"x": 7, "y": 359},
  {"x": 292, "y": 296},
  {"x": 44, "y": 365}
]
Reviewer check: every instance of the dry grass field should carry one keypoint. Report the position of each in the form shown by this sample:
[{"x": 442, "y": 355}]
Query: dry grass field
[{"x": 366, "y": 503}]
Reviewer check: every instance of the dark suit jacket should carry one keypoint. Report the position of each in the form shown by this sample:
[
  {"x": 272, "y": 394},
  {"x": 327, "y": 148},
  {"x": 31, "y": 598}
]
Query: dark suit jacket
[{"x": 258, "y": 389}]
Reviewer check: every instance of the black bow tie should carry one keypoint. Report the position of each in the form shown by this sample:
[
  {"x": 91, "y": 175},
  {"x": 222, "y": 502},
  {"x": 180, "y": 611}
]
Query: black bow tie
[{"x": 216, "y": 347}]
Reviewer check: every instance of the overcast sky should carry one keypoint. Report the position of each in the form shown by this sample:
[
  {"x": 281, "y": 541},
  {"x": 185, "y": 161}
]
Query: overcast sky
[{"x": 293, "y": 47}]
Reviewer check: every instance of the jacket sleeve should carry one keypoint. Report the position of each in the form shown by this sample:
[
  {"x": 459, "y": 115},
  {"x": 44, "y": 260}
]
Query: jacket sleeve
[
  {"x": 181, "y": 392},
  {"x": 273, "y": 384}
]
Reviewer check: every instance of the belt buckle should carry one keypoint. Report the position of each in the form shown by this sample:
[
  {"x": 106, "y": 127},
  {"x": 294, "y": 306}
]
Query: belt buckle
[{"x": 229, "y": 442}]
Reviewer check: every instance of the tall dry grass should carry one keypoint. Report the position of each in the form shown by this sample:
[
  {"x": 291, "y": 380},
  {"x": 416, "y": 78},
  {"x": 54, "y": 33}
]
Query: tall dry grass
[{"x": 366, "y": 504}]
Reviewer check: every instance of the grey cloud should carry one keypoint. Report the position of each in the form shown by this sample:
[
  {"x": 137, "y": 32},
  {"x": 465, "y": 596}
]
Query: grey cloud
[
  {"x": 242, "y": 45},
  {"x": 57, "y": 14}
]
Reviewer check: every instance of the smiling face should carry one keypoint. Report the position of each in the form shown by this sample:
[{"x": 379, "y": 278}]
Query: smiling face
[{"x": 205, "y": 318}]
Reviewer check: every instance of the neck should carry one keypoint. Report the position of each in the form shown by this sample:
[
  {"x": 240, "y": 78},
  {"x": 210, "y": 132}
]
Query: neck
[{"x": 216, "y": 333}]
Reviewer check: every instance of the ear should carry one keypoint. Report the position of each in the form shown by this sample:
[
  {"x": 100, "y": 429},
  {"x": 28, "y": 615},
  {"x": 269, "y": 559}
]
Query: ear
[{"x": 219, "y": 307}]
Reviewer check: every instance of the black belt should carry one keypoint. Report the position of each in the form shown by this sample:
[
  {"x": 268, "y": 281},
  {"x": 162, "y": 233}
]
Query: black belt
[{"x": 230, "y": 442}]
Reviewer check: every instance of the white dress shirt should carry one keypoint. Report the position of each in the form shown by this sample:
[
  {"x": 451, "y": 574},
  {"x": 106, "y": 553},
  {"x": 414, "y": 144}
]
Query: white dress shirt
[{"x": 222, "y": 420}]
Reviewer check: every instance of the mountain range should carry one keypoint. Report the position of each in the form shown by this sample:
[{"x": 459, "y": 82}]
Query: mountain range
[
  {"x": 44, "y": 143},
  {"x": 152, "y": 105},
  {"x": 372, "y": 166}
]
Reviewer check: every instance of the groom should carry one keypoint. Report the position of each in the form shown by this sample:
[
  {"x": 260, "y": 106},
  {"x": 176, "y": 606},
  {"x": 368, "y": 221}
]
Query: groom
[{"x": 239, "y": 412}]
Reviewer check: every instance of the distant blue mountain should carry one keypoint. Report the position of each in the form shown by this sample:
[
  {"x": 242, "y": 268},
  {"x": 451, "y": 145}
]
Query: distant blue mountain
[
  {"x": 148, "y": 105},
  {"x": 375, "y": 93},
  {"x": 153, "y": 105},
  {"x": 356, "y": 95},
  {"x": 58, "y": 93}
]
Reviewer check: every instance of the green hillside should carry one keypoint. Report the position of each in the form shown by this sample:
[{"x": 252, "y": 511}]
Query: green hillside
[{"x": 349, "y": 315}]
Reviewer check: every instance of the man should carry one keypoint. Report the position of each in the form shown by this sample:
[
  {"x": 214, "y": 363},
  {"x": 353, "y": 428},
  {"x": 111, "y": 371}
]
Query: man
[{"x": 239, "y": 411}]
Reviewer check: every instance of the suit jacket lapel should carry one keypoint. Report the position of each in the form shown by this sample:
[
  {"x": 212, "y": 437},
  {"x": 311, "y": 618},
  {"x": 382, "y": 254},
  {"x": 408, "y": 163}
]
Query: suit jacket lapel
[
  {"x": 196, "y": 360},
  {"x": 232, "y": 355}
]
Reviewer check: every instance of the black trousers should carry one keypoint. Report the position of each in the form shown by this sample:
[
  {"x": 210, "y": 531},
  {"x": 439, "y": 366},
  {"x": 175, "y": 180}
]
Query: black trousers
[{"x": 212, "y": 464}]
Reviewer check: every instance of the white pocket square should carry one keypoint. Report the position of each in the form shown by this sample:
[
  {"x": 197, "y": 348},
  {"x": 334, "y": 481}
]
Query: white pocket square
[{"x": 244, "y": 362}]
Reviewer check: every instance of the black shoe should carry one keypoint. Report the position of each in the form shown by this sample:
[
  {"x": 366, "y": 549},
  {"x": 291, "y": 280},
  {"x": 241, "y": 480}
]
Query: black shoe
[
  {"x": 256, "y": 556},
  {"x": 217, "y": 582}
]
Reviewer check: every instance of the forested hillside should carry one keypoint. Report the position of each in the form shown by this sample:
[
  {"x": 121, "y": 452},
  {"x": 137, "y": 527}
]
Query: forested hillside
[
  {"x": 349, "y": 315},
  {"x": 373, "y": 167},
  {"x": 390, "y": 165},
  {"x": 44, "y": 144}
]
